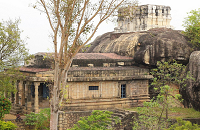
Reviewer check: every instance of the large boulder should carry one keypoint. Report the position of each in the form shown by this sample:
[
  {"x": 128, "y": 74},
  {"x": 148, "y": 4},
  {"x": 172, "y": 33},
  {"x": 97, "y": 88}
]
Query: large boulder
[
  {"x": 146, "y": 47},
  {"x": 191, "y": 93}
]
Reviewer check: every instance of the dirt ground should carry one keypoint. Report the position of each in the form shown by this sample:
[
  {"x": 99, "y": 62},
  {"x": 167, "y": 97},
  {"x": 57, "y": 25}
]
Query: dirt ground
[{"x": 11, "y": 116}]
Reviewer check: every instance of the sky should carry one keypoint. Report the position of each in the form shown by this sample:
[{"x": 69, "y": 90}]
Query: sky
[{"x": 36, "y": 29}]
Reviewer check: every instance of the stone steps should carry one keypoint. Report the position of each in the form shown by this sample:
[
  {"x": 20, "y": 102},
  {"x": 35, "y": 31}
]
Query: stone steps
[
  {"x": 16, "y": 109},
  {"x": 125, "y": 117}
]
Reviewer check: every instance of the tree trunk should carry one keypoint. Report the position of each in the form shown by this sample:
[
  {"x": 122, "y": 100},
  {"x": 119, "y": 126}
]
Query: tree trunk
[
  {"x": 54, "y": 120},
  {"x": 54, "y": 101},
  {"x": 54, "y": 108}
]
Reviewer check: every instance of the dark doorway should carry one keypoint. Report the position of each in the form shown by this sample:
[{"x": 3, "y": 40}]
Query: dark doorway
[{"x": 123, "y": 91}]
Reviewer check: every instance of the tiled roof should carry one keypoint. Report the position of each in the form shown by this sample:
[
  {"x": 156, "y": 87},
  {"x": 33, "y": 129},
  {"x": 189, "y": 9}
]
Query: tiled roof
[
  {"x": 90, "y": 55},
  {"x": 35, "y": 70},
  {"x": 100, "y": 56}
]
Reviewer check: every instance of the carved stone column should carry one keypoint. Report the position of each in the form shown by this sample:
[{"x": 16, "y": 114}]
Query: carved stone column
[
  {"x": 36, "y": 103},
  {"x": 12, "y": 97},
  {"x": 28, "y": 86},
  {"x": 23, "y": 93},
  {"x": 17, "y": 93}
]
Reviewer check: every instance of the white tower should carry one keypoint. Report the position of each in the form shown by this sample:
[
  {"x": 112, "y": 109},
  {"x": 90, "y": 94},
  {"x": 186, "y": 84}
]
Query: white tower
[{"x": 143, "y": 18}]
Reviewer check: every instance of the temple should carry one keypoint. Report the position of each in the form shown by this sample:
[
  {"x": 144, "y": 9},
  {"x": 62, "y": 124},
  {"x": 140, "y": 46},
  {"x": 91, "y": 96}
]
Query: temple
[{"x": 95, "y": 81}]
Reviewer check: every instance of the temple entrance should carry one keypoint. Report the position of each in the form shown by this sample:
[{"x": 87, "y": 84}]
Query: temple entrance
[
  {"x": 43, "y": 91},
  {"x": 123, "y": 91},
  {"x": 43, "y": 95}
]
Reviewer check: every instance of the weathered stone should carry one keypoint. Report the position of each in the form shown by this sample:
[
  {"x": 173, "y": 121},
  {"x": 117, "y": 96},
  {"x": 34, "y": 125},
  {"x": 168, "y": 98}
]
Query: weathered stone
[
  {"x": 146, "y": 47},
  {"x": 191, "y": 93},
  {"x": 162, "y": 44}
]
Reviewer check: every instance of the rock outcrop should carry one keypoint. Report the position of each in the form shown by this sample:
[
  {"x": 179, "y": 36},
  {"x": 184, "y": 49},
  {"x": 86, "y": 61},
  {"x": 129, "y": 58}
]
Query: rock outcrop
[
  {"x": 191, "y": 93},
  {"x": 146, "y": 47}
]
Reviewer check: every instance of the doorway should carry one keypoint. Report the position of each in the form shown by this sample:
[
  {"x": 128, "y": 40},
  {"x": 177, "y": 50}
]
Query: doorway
[{"x": 123, "y": 91}]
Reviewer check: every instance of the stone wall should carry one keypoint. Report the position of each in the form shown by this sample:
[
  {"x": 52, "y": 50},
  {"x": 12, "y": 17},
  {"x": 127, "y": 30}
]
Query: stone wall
[
  {"x": 106, "y": 89},
  {"x": 66, "y": 120},
  {"x": 80, "y": 90}
]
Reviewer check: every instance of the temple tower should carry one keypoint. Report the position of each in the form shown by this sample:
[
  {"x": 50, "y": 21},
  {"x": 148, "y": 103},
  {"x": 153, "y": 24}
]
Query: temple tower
[{"x": 143, "y": 18}]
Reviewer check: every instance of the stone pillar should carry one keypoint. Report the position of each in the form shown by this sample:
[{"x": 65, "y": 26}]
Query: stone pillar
[
  {"x": 12, "y": 97},
  {"x": 20, "y": 91},
  {"x": 23, "y": 93},
  {"x": 36, "y": 103},
  {"x": 17, "y": 93},
  {"x": 28, "y": 86}
]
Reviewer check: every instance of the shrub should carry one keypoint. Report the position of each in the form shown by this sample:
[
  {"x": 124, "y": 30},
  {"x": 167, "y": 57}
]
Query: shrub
[
  {"x": 99, "y": 120},
  {"x": 5, "y": 106},
  {"x": 7, "y": 125},
  {"x": 184, "y": 125},
  {"x": 41, "y": 121}
]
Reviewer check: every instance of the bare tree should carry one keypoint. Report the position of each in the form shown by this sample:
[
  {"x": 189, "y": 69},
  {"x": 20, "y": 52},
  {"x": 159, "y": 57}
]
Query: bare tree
[{"x": 73, "y": 22}]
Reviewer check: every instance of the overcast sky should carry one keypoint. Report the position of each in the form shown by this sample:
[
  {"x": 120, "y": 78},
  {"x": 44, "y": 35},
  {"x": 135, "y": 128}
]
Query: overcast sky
[{"x": 36, "y": 27}]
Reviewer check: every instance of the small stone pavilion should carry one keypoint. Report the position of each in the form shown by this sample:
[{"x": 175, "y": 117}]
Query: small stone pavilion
[{"x": 95, "y": 81}]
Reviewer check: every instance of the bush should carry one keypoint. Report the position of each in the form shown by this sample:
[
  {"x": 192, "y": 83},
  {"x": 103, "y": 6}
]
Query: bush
[
  {"x": 99, "y": 120},
  {"x": 148, "y": 117},
  {"x": 184, "y": 125},
  {"x": 5, "y": 106},
  {"x": 7, "y": 125},
  {"x": 41, "y": 121}
]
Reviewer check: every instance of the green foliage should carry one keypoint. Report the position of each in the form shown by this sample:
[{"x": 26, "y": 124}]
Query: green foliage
[
  {"x": 148, "y": 117},
  {"x": 41, "y": 121},
  {"x": 192, "y": 27},
  {"x": 13, "y": 54},
  {"x": 5, "y": 106},
  {"x": 6, "y": 85},
  {"x": 7, "y": 125},
  {"x": 166, "y": 74},
  {"x": 31, "y": 119},
  {"x": 99, "y": 120},
  {"x": 13, "y": 51},
  {"x": 184, "y": 125},
  {"x": 169, "y": 73}
]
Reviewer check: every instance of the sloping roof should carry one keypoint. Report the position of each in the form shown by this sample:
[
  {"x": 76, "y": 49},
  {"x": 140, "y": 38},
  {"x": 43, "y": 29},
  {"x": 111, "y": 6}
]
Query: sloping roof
[
  {"x": 90, "y": 55},
  {"x": 100, "y": 56},
  {"x": 34, "y": 70}
]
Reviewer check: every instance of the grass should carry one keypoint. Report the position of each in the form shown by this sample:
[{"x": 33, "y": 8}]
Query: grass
[{"x": 176, "y": 112}]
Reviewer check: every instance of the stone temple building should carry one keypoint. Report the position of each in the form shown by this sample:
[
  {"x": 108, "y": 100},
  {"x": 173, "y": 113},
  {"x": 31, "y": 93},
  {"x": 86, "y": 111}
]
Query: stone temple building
[
  {"x": 143, "y": 18},
  {"x": 95, "y": 81}
]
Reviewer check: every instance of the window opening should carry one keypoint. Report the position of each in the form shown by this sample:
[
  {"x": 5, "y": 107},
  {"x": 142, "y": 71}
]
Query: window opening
[{"x": 93, "y": 87}]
